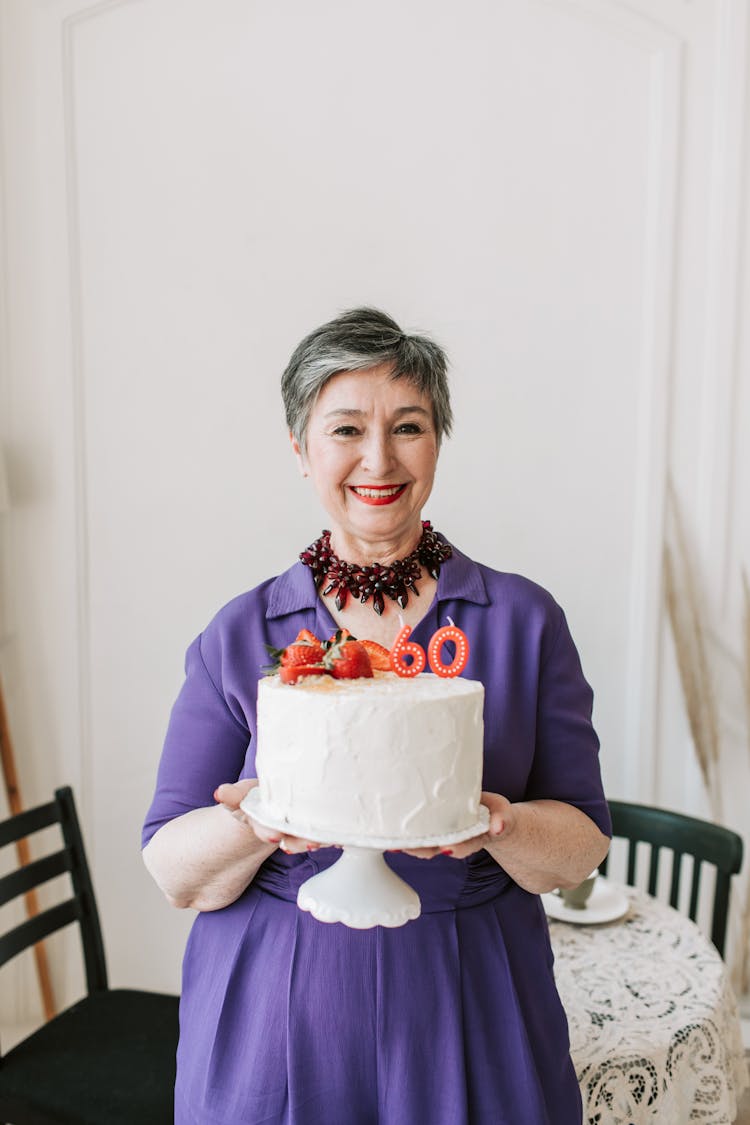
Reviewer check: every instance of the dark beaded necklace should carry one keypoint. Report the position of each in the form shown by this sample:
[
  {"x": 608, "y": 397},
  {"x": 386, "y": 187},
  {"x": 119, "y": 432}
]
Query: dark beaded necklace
[{"x": 394, "y": 581}]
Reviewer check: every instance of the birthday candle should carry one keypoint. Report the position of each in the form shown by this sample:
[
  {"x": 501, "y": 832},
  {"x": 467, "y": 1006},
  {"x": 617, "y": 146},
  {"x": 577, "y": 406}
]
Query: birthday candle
[
  {"x": 402, "y": 647},
  {"x": 448, "y": 633}
]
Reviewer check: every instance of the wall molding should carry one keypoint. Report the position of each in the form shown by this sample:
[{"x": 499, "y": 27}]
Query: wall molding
[
  {"x": 664, "y": 50},
  {"x": 724, "y": 241},
  {"x": 70, "y": 25}
]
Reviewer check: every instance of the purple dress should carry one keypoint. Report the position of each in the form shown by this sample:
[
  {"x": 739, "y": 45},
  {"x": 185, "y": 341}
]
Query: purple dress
[{"x": 452, "y": 1019}]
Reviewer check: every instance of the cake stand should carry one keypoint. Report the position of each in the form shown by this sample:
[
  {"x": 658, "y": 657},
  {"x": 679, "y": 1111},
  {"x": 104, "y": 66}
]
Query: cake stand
[{"x": 359, "y": 889}]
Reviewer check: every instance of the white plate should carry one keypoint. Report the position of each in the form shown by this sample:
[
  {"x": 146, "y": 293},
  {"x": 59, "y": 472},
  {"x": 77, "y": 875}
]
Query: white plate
[
  {"x": 253, "y": 806},
  {"x": 606, "y": 904}
]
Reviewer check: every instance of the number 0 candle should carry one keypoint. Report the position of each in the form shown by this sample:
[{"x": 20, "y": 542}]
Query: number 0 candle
[{"x": 461, "y": 656}]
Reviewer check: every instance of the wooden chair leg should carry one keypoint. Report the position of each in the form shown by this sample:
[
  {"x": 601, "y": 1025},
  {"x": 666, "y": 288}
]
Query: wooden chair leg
[{"x": 24, "y": 855}]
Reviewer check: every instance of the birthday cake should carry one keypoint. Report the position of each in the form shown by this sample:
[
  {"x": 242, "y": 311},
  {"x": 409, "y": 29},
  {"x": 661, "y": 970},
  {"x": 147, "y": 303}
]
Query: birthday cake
[{"x": 374, "y": 756}]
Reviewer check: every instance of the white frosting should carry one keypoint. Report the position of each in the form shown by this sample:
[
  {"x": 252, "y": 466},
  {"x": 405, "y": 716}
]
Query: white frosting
[{"x": 387, "y": 757}]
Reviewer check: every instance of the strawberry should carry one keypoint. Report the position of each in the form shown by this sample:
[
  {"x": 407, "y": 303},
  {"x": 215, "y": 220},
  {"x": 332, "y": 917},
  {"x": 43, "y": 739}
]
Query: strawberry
[
  {"x": 290, "y": 673},
  {"x": 305, "y": 637},
  {"x": 380, "y": 658},
  {"x": 347, "y": 659},
  {"x": 306, "y": 649},
  {"x": 342, "y": 657},
  {"x": 301, "y": 652},
  {"x": 339, "y": 635}
]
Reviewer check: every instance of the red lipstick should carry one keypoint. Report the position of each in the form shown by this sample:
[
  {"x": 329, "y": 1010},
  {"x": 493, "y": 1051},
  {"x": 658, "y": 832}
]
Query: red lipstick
[{"x": 377, "y": 494}]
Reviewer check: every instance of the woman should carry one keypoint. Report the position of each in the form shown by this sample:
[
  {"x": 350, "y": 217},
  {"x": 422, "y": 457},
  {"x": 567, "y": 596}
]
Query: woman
[{"x": 453, "y": 1018}]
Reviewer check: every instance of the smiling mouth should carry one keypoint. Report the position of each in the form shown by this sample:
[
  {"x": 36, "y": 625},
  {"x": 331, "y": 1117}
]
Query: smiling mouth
[{"x": 381, "y": 494}]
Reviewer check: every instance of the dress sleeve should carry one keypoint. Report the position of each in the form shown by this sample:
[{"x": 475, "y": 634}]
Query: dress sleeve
[
  {"x": 566, "y": 760},
  {"x": 205, "y": 745}
]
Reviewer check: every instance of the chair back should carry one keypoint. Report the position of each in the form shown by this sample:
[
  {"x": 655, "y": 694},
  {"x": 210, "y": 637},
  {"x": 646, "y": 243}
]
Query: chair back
[
  {"x": 79, "y": 907},
  {"x": 681, "y": 835}
]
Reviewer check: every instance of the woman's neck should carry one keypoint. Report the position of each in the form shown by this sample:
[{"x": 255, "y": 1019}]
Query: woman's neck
[{"x": 365, "y": 552}]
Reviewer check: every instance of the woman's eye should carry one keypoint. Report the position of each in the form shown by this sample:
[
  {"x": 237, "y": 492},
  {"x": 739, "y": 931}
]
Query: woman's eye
[
  {"x": 345, "y": 431},
  {"x": 408, "y": 428}
]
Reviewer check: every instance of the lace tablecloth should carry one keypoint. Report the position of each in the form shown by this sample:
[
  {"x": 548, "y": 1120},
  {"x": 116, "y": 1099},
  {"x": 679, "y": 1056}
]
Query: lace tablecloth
[{"x": 654, "y": 1030}]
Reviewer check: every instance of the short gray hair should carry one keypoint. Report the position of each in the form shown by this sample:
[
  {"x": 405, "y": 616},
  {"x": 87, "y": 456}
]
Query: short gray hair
[{"x": 358, "y": 340}]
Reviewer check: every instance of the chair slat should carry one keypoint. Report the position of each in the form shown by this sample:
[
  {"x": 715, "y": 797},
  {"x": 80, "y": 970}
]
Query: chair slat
[
  {"x": 695, "y": 889},
  {"x": 674, "y": 886},
  {"x": 26, "y": 823},
  {"x": 721, "y": 910},
  {"x": 632, "y": 846},
  {"x": 34, "y": 874},
  {"x": 37, "y": 928},
  {"x": 653, "y": 870}
]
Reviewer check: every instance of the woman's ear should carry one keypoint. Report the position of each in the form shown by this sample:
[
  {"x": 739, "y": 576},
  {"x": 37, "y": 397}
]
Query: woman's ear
[{"x": 299, "y": 455}]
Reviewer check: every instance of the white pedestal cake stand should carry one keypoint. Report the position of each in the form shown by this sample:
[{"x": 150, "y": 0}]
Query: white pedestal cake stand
[{"x": 359, "y": 889}]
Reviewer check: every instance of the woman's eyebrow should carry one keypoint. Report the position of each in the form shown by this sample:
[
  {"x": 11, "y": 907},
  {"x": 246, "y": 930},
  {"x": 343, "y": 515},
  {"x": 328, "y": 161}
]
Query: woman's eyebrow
[
  {"x": 413, "y": 410},
  {"x": 344, "y": 411}
]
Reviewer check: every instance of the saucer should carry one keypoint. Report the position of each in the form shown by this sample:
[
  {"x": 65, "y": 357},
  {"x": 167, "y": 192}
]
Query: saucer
[{"x": 606, "y": 903}]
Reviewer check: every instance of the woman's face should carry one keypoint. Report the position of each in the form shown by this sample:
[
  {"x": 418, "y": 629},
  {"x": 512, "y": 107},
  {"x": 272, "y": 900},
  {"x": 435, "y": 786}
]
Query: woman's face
[{"x": 371, "y": 454}]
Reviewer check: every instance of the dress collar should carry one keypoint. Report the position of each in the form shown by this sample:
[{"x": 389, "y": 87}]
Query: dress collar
[{"x": 294, "y": 590}]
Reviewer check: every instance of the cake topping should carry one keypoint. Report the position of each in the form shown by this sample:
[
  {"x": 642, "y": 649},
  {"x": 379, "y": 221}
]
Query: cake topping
[
  {"x": 341, "y": 656},
  {"x": 380, "y": 657},
  {"x": 289, "y": 674},
  {"x": 347, "y": 659}
]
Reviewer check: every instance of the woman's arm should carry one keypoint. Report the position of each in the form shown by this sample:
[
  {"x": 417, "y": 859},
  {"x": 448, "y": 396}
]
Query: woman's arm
[
  {"x": 543, "y": 844},
  {"x": 206, "y": 858}
]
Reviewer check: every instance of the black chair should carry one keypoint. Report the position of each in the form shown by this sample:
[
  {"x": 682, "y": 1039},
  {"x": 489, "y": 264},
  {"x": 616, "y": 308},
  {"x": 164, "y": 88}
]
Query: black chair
[
  {"x": 110, "y": 1058},
  {"x": 682, "y": 835}
]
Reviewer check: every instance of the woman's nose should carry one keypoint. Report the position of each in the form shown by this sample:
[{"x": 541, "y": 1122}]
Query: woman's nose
[{"x": 377, "y": 455}]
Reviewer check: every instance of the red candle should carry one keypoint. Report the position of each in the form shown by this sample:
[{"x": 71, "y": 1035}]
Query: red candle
[
  {"x": 402, "y": 647},
  {"x": 457, "y": 665}
]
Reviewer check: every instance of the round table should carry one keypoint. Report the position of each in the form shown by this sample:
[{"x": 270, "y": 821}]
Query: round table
[{"x": 655, "y": 1034}]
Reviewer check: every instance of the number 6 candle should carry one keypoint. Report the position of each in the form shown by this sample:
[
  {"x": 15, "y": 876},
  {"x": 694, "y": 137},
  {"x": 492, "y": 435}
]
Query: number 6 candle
[{"x": 402, "y": 647}]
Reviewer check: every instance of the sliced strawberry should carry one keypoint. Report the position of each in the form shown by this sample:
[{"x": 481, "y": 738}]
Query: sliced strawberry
[
  {"x": 306, "y": 649},
  {"x": 340, "y": 635},
  {"x": 348, "y": 660},
  {"x": 306, "y": 637},
  {"x": 380, "y": 658},
  {"x": 301, "y": 652},
  {"x": 290, "y": 673}
]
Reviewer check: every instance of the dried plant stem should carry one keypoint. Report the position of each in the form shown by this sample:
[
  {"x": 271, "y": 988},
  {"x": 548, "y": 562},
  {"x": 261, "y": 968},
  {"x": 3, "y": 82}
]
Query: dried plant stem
[
  {"x": 744, "y": 946},
  {"x": 686, "y": 620},
  {"x": 746, "y": 639},
  {"x": 687, "y": 616}
]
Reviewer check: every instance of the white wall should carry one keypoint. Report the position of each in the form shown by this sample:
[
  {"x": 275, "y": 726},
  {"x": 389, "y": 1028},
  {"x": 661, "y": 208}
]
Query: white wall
[{"x": 554, "y": 189}]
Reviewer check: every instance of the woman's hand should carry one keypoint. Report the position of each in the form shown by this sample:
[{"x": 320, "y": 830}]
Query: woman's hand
[
  {"x": 501, "y": 824},
  {"x": 231, "y": 795},
  {"x": 541, "y": 844}
]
